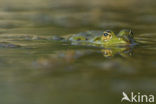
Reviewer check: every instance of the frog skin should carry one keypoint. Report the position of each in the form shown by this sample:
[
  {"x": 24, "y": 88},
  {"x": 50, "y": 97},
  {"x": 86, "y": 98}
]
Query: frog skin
[{"x": 100, "y": 38}]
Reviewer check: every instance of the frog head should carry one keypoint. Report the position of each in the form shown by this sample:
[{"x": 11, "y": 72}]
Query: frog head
[
  {"x": 124, "y": 36},
  {"x": 108, "y": 37}
]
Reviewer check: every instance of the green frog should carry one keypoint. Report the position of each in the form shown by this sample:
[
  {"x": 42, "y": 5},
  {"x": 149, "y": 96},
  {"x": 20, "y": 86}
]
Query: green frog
[{"x": 99, "y": 38}]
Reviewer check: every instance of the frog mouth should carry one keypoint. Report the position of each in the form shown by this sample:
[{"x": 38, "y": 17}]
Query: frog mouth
[{"x": 106, "y": 38}]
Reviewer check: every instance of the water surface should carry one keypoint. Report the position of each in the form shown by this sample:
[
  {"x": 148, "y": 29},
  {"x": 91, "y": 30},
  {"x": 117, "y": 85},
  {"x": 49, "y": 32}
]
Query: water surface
[{"x": 42, "y": 71}]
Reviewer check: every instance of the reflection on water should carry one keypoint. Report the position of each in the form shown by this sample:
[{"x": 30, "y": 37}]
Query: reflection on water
[{"x": 37, "y": 70}]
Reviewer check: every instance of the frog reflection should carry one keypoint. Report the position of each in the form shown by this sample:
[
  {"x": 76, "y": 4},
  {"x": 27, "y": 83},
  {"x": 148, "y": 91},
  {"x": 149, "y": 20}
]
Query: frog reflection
[{"x": 124, "y": 52}]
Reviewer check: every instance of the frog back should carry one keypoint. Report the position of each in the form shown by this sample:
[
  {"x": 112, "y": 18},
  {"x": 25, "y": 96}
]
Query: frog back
[{"x": 85, "y": 36}]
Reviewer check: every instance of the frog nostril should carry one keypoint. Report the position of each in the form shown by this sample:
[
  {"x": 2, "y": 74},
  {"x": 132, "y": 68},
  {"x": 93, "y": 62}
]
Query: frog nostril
[{"x": 105, "y": 34}]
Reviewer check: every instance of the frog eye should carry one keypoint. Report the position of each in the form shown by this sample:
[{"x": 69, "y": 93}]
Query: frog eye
[{"x": 105, "y": 34}]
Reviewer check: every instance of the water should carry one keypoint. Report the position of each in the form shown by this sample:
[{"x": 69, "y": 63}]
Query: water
[{"x": 41, "y": 71}]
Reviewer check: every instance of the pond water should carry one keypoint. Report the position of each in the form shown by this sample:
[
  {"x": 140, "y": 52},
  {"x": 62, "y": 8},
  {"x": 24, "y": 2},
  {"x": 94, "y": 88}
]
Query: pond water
[{"x": 37, "y": 70}]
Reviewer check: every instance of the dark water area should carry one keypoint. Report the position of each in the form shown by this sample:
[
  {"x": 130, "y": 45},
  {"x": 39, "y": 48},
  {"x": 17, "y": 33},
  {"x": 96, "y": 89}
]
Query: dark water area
[{"x": 34, "y": 69}]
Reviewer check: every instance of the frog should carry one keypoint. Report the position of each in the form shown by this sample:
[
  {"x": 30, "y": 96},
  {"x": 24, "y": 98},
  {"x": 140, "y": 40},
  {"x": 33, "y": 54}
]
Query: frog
[{"x": 105, "y": 38}]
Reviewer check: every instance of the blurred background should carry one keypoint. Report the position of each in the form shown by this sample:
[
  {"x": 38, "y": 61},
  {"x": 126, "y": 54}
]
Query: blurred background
[{"x": 34, "y": 69}]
